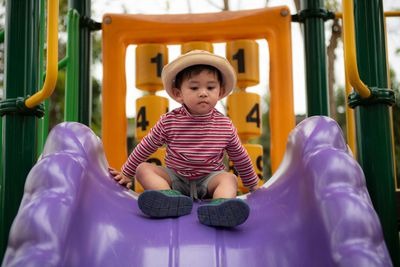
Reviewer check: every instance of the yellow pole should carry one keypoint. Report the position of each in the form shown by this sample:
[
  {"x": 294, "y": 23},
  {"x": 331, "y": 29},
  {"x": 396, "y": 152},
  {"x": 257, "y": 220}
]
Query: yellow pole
[
  {"x": 339, "y": 15},
  {"x": 350, "y": 123},
  {"x": 350, "y": 48},
  {"x": 392, "y": 14},
  {"x": 52, "y": 56}
]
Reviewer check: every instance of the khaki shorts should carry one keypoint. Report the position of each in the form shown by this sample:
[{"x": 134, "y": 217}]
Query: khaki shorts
[{"x": 196, "y": 189}]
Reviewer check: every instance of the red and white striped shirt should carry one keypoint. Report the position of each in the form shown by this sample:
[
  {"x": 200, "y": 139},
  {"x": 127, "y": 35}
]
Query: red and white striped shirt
[{"x": 195, "y": 146}]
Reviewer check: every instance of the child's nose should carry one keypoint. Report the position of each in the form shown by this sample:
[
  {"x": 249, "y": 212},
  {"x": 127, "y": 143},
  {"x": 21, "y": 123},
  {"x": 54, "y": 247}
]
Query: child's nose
[{"x": 203, "y": 92}]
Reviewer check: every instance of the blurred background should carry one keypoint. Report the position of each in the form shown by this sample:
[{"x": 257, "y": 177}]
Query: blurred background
[{"x": 334, "y": 50}]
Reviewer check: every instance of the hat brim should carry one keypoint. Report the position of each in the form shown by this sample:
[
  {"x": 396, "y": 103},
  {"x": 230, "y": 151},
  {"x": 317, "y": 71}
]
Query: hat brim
[{"x": 198, "y": 57}]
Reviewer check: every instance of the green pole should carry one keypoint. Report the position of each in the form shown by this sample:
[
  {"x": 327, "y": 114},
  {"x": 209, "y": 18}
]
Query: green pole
[
  {"x": 72, "y": 74},
  {"x": 85, "y": 91},
  {"x": 312, "y": 15},
  {"x": 19, "y": 130},
  {"x": 1, "y": 157},
  {"x": 374, "y": 132},
  {"x": 43, "y": 123}
]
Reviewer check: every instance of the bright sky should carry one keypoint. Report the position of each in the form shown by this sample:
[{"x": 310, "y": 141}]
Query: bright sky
[{"x": 204, "y": 6}]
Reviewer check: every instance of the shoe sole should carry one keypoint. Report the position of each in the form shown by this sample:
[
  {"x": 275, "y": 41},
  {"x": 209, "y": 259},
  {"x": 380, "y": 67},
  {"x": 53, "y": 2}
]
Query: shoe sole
[
  {"x": 158, "y": 205},
  {"x": 229, "y": 213}
]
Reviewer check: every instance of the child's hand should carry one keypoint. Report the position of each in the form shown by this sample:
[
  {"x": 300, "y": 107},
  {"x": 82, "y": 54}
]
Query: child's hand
[{"x": 120, "y": 177}]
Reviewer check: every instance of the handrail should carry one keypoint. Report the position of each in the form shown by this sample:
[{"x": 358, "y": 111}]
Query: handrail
[
  {"x": 350, "y": 55},
  {"x": 52, "y": 56},
  {"x": 339, "y": 15},
  {"x": 392, "y": 14}
]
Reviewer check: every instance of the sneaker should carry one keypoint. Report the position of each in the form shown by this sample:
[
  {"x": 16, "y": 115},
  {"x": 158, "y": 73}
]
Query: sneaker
[
  {"x": 164, "y": 203},
  {"x": 224, "y": 212}
]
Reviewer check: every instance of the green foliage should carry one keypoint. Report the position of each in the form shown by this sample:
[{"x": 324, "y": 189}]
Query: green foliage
[
  {"x": 333, "y": 5},
  {"x": 56, "y": 104},
  {"x": 96, "y": 107},
  {"x": 340, "y": 101}
]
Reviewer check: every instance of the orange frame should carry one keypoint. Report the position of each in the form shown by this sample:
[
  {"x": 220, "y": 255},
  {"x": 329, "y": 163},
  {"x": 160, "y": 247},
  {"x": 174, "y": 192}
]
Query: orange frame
[{"x": 122, "y": 30}]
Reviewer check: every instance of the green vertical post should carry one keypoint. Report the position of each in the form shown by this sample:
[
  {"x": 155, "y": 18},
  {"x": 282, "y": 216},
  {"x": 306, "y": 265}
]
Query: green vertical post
[
  {"x": 85, "y": 91},
  {"x": 312, "y": 15},
  {"x": 43, "y": 123},
  {"x": 72, "y": 73},
  {"x": 19, "y": 130},
  {"x": 374, "y": 133},
  {"x": 1, "y": 160}
]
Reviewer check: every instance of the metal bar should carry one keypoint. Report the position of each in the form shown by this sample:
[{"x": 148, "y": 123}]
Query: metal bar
[
  {"x": 52, "y": 57},
  {"x": 72, "y": 74},
  {"x": 43, "y": 123},
  {"x": 374, "y": 133},
  {"x": 387, "y": 14},
  {"x": 85, "y": 90},
  {"x": 19, "y": 131},
  {"x": 392, "y": 14},
  {"x": 350, "y": 51},
  {"x": 315, "y": 60}
]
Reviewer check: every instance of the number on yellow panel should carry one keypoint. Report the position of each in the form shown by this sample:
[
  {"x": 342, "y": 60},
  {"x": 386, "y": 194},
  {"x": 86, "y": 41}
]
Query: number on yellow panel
[
  {"x": 239, "y": 56},
  {"x": 159, "y": 63},
  {"x": 141, "y": 119},
  {"x": 259, "y": 164},
  {"x": 254, "y": 115}
]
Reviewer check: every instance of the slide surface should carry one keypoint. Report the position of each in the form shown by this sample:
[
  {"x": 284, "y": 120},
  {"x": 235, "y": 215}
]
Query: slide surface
[{"x": 314, "y": 211}]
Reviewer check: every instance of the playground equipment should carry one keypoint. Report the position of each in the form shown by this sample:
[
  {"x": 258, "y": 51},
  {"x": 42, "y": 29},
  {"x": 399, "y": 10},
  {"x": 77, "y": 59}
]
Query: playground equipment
[
  {"x": 287, "y": 198},
  {"x": 315, "y": 211},
  {"x": 120, "y": 30}
]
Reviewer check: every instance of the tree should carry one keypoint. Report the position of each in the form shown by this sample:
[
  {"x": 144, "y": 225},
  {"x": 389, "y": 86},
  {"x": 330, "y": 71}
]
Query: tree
[{"x": 336, "y": 33}]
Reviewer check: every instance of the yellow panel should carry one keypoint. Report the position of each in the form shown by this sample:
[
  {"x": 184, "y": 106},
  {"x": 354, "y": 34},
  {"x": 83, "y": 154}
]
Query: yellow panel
[
  {"x": 256, "y": 155},
  {"x": 244, "y": 111},
  {"x": 243, "y": 55},
  {"x": 196, "y": 45},
  {"x": 150, "y": 59},
  {"x": 121, "y": 30},
  {"x": 148, "y": 111},
  {"x": 157, "y": 158}
]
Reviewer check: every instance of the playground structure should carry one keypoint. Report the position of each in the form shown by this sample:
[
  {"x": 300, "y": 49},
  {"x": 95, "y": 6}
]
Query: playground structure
[{"x": 372, "y": 102}]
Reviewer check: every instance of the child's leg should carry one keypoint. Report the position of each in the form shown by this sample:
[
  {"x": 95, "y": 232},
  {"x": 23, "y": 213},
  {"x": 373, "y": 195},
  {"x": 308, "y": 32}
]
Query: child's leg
[
  {"x": 223, "y": 185},
  {"x": 158, "y": 200},
  {"x": 225, "y": 210},
  {"x": 153, "y": 177}
]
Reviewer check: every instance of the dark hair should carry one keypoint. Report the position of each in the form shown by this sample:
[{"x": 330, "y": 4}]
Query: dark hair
[{"x": 194, "y": 70}]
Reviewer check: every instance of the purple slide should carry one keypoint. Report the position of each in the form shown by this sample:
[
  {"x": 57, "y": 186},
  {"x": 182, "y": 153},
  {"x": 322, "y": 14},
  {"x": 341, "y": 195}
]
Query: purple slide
[{"x": 314, "y": 211}]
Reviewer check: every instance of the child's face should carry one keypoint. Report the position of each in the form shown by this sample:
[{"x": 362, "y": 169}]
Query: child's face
[{"x": 200, "y": 92}]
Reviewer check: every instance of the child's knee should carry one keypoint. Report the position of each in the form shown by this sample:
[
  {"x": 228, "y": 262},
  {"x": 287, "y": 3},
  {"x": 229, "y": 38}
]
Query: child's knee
[
  {"x": 233, "y": 180},
  {"x": 226, "y": 179},
  {"x": 229, "y": 178},
  {"x": 142, "y": 169}
]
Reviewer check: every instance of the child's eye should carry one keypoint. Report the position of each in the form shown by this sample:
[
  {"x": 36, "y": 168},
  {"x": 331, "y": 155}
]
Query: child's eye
[
  {"x": 211, "y": 87},
  {"x": 193, "y": 88}
]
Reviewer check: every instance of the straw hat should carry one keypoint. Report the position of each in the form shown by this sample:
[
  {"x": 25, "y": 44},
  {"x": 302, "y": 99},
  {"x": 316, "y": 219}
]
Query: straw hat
[{"x": 199, "y": 57}]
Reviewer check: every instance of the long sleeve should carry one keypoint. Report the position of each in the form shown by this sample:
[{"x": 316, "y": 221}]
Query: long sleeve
[
  {"x": 241, "y": 160},
  {"x": 149, "y": 144}
]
